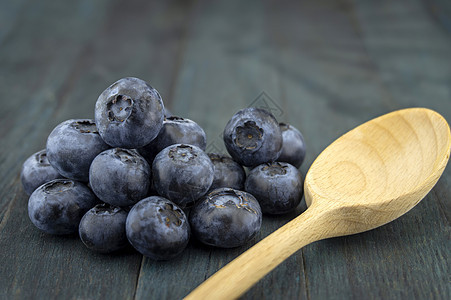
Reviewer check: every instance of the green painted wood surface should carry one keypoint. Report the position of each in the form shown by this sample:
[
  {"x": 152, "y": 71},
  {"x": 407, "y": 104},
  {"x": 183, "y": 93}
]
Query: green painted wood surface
[{"x": 324, "y": 66}]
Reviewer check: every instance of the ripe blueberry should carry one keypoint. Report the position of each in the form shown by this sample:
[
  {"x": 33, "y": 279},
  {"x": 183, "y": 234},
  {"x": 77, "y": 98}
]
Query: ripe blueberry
[
  {"x": 228, "y": 173},
  {"x": 56, "y": 207},
  {"x": 253, "y": 136},
  {"x": 72, "y": 146},
  {"x": 120, "y": 176},
  {"x": 36, "y": 171},
  {"x": 226, "y": 218},
  {"x": 182, "y": 173},
  {"x": 175, "y": 130},
  {"x": 293, "y": 147},
  {"x": 102, "y": 228},
  {"x": 157, "y": 228},
  {"x": 277, "y": 186},
  {"x": 129, "y": 113}
]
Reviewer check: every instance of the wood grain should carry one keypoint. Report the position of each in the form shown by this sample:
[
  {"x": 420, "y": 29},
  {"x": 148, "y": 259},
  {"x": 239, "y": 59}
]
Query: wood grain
[
  {"x": 368, "y": 177},
  {"x": 73, "y": 75},
  {"x": 211, "y": 86},
  {"x": 336, "y": 73},
  {"x": 326, "y": 66}
]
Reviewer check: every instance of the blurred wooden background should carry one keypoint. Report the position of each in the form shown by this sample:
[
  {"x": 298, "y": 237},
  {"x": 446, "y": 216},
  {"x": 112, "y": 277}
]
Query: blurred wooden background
[{"x": 324, "y": 66}]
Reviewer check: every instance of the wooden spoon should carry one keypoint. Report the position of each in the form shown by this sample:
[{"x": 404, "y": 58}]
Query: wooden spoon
[{"x": 368, "y": 177}]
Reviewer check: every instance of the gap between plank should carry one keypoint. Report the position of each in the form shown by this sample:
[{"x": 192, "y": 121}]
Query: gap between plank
[
  {"x": 188, "y": 20},
  {"x": 305, "y": 275},
  {"x": 208, "y": 266},
  {"x": 4, "y": 218},
  {"x": 141, "y": 263}
]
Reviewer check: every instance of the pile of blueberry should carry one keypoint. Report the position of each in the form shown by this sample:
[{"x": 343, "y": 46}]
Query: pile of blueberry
[{"x": 134, "y": 175}]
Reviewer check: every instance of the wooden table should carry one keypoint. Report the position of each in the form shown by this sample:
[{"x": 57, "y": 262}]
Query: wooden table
[{"x": 324, "y": 66}]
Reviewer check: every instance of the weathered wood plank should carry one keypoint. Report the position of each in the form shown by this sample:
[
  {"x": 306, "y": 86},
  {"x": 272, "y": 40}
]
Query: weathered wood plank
[
  {"x": 36, "y": 61},
  {"x": 9, "y": 17},
  {"x": 440, "y": 10},
  {"x": 106, "y": 43},
  {"x": 362, "y": 60},
  {"x": 410, "y": 51},
  {"x": 325, "y": 66},
  {"x": 41, "y": 57},
  {"x": 223, "y": 70},
  {"x": 36, "y": 265}
]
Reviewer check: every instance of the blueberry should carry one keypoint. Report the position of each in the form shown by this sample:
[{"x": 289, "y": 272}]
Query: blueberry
[
  {"x": 228, "y": 173},
  {"x": 129, "y": 113},
  {"x": 120, "y": 177},
  {"x": 253, "y": 136},
  {"x": 102, "y": 228},
  {"x": 182, "y": 173},
  {"x": 277, "y": 186},
  {"x": 56, "y": 207},
  {"x": 36, "y": 171},
  {"x": 72, "y": 146},
  {"x": 226, "y": 218},
  {"x": 293, "y": 147},
  {"x": 157, "y": 228},
  {"x": 175, "y": 130}
]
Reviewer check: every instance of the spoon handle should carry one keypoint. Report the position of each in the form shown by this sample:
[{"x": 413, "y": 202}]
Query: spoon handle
[{"x": 242, "y": 273}]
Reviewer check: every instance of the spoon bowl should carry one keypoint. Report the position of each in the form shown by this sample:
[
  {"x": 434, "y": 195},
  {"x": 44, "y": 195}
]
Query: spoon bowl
[
  {"x": 368, "y": 177},
  {"x": 380, "y": 170}
]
